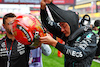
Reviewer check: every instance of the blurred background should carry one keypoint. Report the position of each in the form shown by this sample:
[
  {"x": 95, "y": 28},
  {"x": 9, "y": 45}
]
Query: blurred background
[{"x": 91, "y": 7}]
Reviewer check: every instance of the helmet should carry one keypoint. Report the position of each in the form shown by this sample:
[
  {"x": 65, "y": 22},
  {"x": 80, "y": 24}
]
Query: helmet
[
  {"x": 27, "y": 29},
  {"x": 85, "y": 20}
]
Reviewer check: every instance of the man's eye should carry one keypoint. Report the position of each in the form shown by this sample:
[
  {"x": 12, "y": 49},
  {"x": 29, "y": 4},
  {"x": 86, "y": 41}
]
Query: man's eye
[{"x": 64, "y": 26}]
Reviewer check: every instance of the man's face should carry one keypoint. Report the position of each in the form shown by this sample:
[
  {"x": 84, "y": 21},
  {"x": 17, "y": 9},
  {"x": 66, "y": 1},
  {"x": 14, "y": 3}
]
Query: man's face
[
  {"x": 65, "y": 28},
  {"x": 8, "y": 24},
  {"x": 95, "y": 28}
]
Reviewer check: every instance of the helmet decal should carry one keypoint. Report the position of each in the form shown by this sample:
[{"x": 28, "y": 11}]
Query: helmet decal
[
  {"x": 24, "y": 28},
  {"x": 25, "y": 32}
]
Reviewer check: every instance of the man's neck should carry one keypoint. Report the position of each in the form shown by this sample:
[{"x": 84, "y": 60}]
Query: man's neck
[{"x": 10, "y": 36}]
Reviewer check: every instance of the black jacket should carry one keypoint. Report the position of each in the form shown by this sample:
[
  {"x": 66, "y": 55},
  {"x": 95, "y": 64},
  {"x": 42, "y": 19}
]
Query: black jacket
[
  {"x": 19, "y": 54},
  {"x": 80, "y": 46}
]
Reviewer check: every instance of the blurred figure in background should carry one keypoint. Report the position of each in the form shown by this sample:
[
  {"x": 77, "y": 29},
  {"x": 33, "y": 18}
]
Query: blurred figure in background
[
  {"x": 2, "y": 30},
  {"x": 96, "y": 30},
  {"x": 35, "y": 58}
]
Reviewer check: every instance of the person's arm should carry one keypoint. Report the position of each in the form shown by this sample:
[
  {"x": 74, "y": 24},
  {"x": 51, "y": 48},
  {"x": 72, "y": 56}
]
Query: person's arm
[
  {"x": 51, "y": 26},
  {"x": 82, "y": 49},
  {"x": 48, "y": 40}
]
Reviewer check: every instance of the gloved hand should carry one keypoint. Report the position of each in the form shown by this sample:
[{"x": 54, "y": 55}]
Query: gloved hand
[
  {"x": 44, "y": 2},
  {"x": 46, "y": 50}
]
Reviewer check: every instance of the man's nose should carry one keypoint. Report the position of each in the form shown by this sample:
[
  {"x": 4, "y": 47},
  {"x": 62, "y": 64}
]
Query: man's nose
[{"x": 62, "y": 29}]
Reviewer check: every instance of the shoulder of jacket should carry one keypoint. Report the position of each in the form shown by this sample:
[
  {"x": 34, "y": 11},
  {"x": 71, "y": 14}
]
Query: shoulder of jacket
[{"x": 80, "y": 31}]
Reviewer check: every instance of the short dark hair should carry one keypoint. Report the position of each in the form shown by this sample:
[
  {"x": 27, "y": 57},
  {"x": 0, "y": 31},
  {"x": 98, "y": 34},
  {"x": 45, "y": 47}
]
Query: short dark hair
[
  {"x": 11, "y": 15},
  {"x": 97, "y": 23}
]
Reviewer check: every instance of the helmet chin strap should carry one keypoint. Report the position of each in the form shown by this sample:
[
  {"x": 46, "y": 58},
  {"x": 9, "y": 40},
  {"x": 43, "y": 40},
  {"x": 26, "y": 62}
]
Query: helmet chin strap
[{"x": 35, "y": 40}]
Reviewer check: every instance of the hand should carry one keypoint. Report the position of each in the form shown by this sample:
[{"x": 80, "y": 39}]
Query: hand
[
  {"x": 48, "y": 1},
  {"x": 48, "y": 40},
  {"x": 44, "y": 2}
]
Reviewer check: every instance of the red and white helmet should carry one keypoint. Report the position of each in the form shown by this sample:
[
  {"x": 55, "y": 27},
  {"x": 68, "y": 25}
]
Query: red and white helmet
[{"x": 25, "y": 27}]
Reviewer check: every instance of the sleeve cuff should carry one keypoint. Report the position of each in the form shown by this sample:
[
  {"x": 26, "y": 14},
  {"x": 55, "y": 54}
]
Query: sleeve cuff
[{"x": 60, "y": 47}]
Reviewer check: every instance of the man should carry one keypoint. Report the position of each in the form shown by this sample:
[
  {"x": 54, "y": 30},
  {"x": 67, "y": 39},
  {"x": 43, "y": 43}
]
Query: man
[
  {"x": 15, "y": 54},
  {"x": 12, "y": 53},
  {"x": 96, "y": 30},
  {"x": 80, "y": 46}
]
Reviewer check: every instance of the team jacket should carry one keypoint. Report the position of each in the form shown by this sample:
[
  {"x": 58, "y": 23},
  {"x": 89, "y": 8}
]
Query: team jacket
[
  {"x": 80, "y": 47},
  {"x": 19, "y": 55}
]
